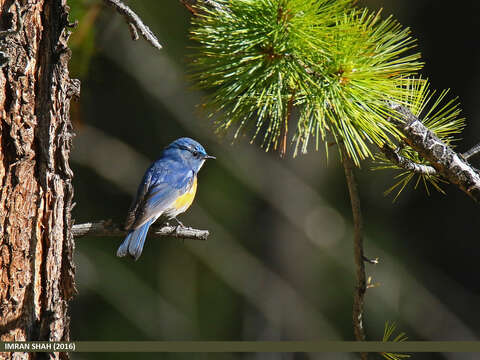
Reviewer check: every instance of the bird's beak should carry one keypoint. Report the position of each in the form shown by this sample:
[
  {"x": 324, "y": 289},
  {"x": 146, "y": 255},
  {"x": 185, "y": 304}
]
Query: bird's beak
[{"x": 209, "y": 157}]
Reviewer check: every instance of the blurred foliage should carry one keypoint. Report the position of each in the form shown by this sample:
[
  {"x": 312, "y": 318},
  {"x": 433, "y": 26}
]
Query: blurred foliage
[{"x": 82, "y": 40}]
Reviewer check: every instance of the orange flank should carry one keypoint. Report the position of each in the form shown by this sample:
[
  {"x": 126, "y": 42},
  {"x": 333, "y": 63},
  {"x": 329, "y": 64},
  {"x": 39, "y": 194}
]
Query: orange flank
[{"x": 184, "y": 201}]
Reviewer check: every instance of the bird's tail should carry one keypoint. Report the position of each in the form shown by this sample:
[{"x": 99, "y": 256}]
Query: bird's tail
[{"x": 133, "y": 243}]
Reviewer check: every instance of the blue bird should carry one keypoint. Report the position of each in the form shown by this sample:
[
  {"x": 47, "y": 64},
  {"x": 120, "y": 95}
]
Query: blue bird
[{"x": 167, "y": 190}]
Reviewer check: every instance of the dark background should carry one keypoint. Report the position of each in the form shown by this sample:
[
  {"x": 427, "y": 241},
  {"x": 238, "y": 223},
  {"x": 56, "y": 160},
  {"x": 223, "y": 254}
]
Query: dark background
[{"x": 278, "y": 264}]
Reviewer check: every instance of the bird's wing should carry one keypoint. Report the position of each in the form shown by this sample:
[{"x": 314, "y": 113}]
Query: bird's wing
[
  {"x": 157, "y": 192},
  {"x": 138, "y": 200}
]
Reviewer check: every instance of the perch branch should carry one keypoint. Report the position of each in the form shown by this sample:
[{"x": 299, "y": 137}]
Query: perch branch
[
  {"x": 451, "y": 165},
  {"x": 134, "y": 22},
  {"x": 108, "y": 228},
  {"x": 361, "y": 285},
  {"x": 407, "y": 164}
]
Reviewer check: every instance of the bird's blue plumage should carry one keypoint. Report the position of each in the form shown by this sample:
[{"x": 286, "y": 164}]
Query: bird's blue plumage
[
  {"x": 133, "y": 243},
  {"x": 168, "y": 179}
]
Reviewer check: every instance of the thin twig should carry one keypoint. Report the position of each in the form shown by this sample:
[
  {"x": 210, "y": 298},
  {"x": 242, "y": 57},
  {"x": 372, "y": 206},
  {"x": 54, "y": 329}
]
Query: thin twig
[
  {"x": 134, "y": 22},
  {"x": 472, "y": 152},
  {"x": 448, "y": 163},
  {"x": 361, "y": 285},
  {"x": 407, "y": 164},
  {"x": 108, "y": 228}
]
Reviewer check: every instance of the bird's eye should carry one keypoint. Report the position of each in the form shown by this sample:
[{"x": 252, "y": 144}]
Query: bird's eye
[{"x": 195, "y": 153}]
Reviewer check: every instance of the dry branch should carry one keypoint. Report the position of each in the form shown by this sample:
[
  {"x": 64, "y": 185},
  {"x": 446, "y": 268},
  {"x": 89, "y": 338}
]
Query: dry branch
[
  {"x": 108, "y": 228},
  {"x": 134, "y": 22},
  {"x": 448, "y": 163}
]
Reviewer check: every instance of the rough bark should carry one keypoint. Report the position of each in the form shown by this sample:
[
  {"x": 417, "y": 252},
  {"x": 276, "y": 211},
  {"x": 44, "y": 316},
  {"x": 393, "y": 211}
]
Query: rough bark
[{"x": 36, "y": 245}]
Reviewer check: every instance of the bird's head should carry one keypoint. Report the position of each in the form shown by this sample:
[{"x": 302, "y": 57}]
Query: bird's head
[{"x": 189, "y": 152}]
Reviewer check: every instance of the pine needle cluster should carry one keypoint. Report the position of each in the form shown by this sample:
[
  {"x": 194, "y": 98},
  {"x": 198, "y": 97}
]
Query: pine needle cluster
[
  {"x": 441, "y": 116},
  {"x": 311, "y": 71},
  {"x": 390, "y": 328}
]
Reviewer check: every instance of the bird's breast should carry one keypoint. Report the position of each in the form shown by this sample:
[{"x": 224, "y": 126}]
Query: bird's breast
[{"x": 184, "y": 201}]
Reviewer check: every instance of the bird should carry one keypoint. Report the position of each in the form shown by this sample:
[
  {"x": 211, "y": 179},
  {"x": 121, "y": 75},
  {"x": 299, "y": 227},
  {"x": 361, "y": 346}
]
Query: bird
[{"x": 166, "y": 190}]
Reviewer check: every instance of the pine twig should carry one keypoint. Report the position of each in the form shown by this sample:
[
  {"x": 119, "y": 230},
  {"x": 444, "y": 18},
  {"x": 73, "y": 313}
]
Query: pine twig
[
  {"x": 106, "y": 228},
  {"x": 448, "y": 163},
  {"x": 405, "y": 163},
  {"x": 472, "y": 152},
  {"x": 361, "y": 286},
  {"x": 134, "y": 22}
]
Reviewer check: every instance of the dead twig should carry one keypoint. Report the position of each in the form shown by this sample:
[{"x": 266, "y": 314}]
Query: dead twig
[
  {"x": 134, "y": 22},
  {"x": 472, "y": 152}
]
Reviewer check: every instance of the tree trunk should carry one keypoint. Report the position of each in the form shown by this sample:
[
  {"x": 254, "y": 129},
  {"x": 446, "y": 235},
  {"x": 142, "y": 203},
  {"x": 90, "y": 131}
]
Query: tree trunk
[{"x": 36, "y": 245}]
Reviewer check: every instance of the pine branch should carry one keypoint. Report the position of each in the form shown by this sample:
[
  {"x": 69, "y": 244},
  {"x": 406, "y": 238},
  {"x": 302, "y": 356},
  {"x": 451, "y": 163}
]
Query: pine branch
[
  {"x": 267, "y": 50},
  {"x": 108, "y": 228},
  {"x": 361, "y": 286},
  {"x": 443, "y": 158},
  {"x": 134, "y": 22},
  {"x": 407, "y": 164}
]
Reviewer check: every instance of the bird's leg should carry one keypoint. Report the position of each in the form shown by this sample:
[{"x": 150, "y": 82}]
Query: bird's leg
[{"x": 179, "y": 222}]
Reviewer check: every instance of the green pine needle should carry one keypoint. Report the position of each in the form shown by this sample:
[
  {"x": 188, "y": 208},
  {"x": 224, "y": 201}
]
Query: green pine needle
[
  {"x": 337, "y": 65},
  {"x": 387, "y": 336}
]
